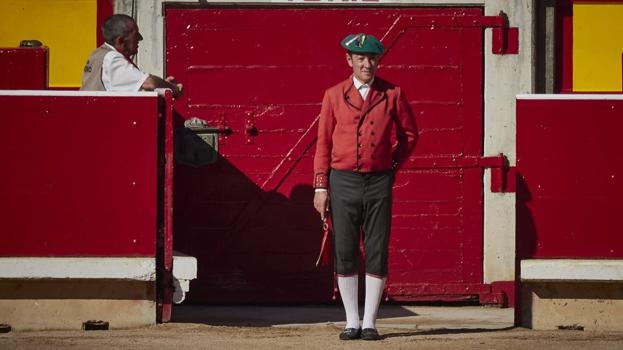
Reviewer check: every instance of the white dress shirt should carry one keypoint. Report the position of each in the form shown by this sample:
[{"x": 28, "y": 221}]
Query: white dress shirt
[
  {"x": 363, "y": 88},
  {"x": 119, "y": 74}
]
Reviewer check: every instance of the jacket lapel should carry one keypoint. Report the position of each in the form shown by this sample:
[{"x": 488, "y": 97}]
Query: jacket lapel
[
  {"x": 352, "y": 96},
  {"x": 375, "y": 96}
]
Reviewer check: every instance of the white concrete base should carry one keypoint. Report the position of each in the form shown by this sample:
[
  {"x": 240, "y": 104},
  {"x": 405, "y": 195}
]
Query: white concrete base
[
  {"x": 66, "y": 304},
  {"x": 63, "y": 292},
  {"x": 138, "y": 269},
  {"x": 559, "y": 293},
  {"x": 593, "y": 306}
]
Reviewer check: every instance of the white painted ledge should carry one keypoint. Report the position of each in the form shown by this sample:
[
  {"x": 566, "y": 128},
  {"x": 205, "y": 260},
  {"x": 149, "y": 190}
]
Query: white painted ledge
[
  {"x": 184, "y": 270},
  {"x": 78, "y": 93},
  {"x": 571, "y": 270},
  {"x": 184, "y": 266},
  {"x": 137, "y": 269},
  {"x": 604, "y": 96},
  {"x": 156, "y": 92}
]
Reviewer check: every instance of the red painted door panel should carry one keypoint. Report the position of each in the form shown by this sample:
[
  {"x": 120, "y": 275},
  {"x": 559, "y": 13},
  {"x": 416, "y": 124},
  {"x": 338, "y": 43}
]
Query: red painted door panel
[{"x": 262, "y": 72}]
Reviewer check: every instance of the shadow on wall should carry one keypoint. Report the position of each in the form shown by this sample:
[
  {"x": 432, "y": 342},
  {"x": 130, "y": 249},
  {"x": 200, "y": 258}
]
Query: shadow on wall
[
  {"x": 525, "y": 243},
  {"x": 251, "y": 245},
  {"x": 526, "y": 227}
]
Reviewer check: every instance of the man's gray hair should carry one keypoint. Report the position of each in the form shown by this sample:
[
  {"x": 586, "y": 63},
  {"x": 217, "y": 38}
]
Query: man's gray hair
[{"x": 115, "y": 26}]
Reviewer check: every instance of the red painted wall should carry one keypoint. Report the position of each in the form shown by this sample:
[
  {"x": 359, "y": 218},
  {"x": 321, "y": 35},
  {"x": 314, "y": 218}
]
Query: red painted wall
[
  {"x": 569, "y": 184},
  {"x": 79, "y": 176},
  {"x": 105, "y": 9},
  {"x": 564, "y": 46},
  {"x": 23, "y": 68}
]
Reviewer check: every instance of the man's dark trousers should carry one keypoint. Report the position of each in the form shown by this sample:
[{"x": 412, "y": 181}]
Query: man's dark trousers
[{"x": 361, "y": 202}]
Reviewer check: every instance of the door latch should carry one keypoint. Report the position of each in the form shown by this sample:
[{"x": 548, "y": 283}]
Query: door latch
[{"x": 196, "y": 144}]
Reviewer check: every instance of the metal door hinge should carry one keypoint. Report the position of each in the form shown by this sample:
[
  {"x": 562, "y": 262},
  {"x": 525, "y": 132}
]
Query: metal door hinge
[
  {"x": 502, "y": 175},
  {"x": 505, "y": 39}
]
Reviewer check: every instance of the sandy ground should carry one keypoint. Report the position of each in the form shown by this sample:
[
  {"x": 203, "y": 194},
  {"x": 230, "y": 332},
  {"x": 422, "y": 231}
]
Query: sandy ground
[{"x": 317, "y": 327}]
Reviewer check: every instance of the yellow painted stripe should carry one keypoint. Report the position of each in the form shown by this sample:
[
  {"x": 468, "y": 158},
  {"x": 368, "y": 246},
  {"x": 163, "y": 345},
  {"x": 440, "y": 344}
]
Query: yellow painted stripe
[
  {"x": 66, "y": 27},
  {"x": 597, "y": 46}
]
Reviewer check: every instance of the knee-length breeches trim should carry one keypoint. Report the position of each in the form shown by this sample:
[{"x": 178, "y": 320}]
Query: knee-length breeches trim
[{"x": 361, "y": 203}]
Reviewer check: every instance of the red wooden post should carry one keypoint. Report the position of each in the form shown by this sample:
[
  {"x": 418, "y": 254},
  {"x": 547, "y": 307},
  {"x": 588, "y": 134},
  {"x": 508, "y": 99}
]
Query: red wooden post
[{"x": 165, "y": 256}]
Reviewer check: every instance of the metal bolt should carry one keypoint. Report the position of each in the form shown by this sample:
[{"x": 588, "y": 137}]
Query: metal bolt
[{"x": 93, "y": 325}]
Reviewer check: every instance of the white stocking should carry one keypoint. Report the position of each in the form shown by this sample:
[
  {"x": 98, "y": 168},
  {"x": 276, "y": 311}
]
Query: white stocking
[
  {"x": 374, "y": 292},
  {"x": 348, "y": 290}
]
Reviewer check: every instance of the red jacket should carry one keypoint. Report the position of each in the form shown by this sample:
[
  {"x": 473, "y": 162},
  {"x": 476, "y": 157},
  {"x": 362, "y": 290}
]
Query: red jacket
[{"x": 356, "y": 135}]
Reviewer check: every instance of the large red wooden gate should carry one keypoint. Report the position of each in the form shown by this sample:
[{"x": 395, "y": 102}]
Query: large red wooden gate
[{"x": 261, "y": 73}]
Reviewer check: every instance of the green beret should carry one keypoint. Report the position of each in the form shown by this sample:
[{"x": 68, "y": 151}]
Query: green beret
[{"x": 363, "y": 43}]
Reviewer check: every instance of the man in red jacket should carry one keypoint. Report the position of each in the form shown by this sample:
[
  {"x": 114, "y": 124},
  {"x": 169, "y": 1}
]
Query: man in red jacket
[{"x": 354, "y": 169}]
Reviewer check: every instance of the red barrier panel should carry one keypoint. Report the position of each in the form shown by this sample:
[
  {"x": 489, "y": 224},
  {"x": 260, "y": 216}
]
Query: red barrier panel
[
  {"x": 23, "y": 68},
  {"x": 570, "y": 171},
  {"x": 79, "y": 174}
]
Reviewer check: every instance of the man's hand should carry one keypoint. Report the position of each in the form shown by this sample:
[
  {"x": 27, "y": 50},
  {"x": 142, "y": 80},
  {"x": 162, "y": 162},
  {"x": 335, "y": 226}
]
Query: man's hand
[
  {"x": 153, "y": 82},
  {"x": 321, "y": 203},
  {"x": 178, "y": 86}
]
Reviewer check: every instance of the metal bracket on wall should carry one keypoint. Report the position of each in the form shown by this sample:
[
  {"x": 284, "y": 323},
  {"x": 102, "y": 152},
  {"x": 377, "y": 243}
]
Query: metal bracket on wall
[
  {"x": 502, "y": 176},
  {"x": 505, "y": 39},
  {"x": 196, "y": 144}
]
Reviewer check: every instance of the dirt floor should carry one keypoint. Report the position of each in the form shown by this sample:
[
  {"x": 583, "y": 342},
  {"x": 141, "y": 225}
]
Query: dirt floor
[{"x": 317, "y": 327}]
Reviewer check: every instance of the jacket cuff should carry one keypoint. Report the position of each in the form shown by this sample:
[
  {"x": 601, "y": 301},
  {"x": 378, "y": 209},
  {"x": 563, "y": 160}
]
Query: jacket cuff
[{"x": 321, "y": 181}]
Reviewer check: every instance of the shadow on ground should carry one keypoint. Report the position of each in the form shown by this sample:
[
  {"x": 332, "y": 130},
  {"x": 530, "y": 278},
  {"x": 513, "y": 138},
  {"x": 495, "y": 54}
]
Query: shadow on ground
[
  {"x": 444, "y": 331},
  {"x": 264, "y": 316}
]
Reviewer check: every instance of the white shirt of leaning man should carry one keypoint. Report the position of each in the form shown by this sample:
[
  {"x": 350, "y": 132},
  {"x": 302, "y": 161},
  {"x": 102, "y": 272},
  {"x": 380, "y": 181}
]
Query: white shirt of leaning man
[{"x": 118, "y": 74}]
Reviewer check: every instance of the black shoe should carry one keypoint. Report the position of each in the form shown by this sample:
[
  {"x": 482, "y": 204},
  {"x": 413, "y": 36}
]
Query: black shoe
[
  {"x": 350, "y": 334},
  {"x": 370, "y": 334}
]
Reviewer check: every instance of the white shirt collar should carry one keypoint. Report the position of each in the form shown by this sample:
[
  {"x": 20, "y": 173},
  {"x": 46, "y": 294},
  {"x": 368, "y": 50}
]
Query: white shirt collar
[
  {"x": 359, "y": 84},
  {"x": 362, "y": 88},
  {"x": 110, "y": 46}
]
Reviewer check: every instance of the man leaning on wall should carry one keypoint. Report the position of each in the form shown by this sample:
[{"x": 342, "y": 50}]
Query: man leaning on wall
[{"x": 110, "y": 66}]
